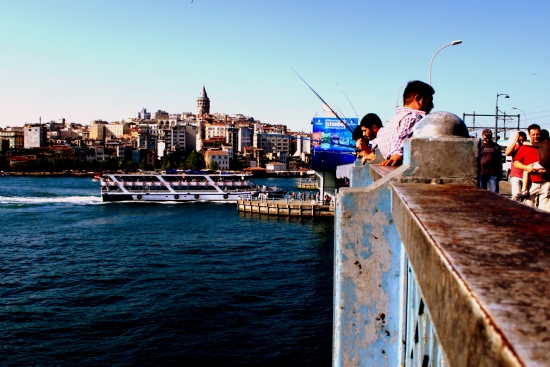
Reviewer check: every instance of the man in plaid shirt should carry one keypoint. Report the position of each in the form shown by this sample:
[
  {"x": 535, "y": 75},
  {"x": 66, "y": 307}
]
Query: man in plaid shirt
[{"x": 417, "y": 102}]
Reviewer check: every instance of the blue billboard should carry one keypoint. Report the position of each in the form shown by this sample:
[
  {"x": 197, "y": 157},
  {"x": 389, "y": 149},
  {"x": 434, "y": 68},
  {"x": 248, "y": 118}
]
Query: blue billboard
[{"x": 332, "y": 143}]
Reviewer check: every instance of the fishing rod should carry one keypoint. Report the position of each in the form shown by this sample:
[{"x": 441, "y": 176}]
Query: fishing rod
[
  {"x": 356, "y": 115},
  {"x": 325, "y": 103},
  {"x": 363, "y": 138}
]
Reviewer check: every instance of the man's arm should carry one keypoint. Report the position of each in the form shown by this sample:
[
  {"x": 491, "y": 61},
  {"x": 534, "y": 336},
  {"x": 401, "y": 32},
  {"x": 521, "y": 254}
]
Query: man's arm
[
  {"x": 512, "y": 146},
  {"x": 524, "y": 167},
  {"x": 368, "y": 157},
  {"x": 404, "y": 131},
  {"x": 394, "y": 160}
]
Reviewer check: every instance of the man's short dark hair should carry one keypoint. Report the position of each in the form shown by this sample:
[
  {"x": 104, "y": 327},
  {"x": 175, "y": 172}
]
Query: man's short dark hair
[
  {"x": 533, "y": 127},
  {"x": 357, "y": 133},
  {"x": 416, "y": 87},
  {"x": 370, "y": 120}
]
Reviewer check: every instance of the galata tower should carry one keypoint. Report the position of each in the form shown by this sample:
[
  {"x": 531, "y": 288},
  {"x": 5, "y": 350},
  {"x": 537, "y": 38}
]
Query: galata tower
[{"x": 203, "y": 104}]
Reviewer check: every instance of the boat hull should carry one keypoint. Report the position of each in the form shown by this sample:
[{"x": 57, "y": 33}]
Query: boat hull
[{"x": 154, "y": 197}]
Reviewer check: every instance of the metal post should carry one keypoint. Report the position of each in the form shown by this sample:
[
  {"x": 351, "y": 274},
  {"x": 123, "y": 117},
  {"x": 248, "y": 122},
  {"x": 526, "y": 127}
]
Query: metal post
[
  {"x": 504, "y": 125},
  {"x": 496, "y": 114},
  {"x": 496, "y": 119}
]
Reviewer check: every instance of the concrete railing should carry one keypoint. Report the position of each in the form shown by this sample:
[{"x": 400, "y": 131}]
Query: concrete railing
[{"x": 432, "y": 271}]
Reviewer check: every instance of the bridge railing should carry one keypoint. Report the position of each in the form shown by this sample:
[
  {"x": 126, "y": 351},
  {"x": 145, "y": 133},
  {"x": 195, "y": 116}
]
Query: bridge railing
[{"x": 432, "y": 271}]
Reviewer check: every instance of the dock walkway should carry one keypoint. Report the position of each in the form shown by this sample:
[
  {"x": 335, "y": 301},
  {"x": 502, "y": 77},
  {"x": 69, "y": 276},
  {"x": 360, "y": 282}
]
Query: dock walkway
[{"x": 282, "y": 208}]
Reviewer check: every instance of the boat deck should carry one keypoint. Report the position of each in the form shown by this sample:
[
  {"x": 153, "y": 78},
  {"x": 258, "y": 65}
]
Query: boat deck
[{"x": 284, "y": 208}]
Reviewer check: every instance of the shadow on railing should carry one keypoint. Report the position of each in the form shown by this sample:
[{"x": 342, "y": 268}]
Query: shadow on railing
[{"x": 432, "y": 271}]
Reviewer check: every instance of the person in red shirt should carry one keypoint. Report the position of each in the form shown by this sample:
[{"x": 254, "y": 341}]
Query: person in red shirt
[
  {"x": 526, "y": 156},
  {"x": 516, "y": 180}
]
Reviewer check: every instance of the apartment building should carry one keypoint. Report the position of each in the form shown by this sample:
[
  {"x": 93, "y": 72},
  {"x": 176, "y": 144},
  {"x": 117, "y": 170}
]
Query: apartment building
[
  {"x": 35, "y": 136},
  {"x": 275, "y": 143},
  {"x": 15, "y": 137},
  {"x": 219, "y": 156}
]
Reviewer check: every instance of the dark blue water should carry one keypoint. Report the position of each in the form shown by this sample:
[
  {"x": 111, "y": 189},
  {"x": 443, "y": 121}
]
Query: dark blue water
[{"x": 86, "y": 283}]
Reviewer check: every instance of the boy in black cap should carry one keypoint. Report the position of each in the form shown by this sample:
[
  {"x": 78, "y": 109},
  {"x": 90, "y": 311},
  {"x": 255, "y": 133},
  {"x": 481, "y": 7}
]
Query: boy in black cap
[{"x": 491, "y": 162}]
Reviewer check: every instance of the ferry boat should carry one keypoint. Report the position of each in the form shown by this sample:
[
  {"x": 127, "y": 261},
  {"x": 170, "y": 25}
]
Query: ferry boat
[
  {"x": 174, "y": 187},
  {"x": 269, "y": 192},
  {"x": 309, "y": 184}
]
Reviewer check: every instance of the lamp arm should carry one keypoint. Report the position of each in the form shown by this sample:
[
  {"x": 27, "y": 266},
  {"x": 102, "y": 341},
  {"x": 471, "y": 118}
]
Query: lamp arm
[{"x": 433, "y": 57}]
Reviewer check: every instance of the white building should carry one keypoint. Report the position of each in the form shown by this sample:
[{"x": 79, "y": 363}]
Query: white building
[
  {"x": 215, "y": 129},
  {"x": 229, "y": 150},
  {"x": 35, "y": 136},
  {"x": 275, "y": 143},
  {"x": 219, "y": 156},
  {"x": 303, "y": 145},
  {"x": 275, "y": 166},
  {"x": 171, "y": 138},
  {"x": 116, "y": 130}
]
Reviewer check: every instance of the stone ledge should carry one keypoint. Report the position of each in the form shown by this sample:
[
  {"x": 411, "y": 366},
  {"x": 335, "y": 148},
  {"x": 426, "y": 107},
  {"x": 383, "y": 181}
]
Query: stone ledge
[
  {"x": 482, "y": 263},
  {"x": 377, "y": 171}
]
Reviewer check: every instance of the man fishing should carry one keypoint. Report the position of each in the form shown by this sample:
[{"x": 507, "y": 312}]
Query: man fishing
[{"x": 417, "y": 102}]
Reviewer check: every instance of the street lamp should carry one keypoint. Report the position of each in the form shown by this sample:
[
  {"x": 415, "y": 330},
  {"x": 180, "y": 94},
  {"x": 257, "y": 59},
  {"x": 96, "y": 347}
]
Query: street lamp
[
  {"x": 454, "y": 43},
  {"x": 524, "y": 117},
  {"x": 496, "y": 113},
  {"x": 397, "y": 97},
  {"x": 396, "y": 101}
]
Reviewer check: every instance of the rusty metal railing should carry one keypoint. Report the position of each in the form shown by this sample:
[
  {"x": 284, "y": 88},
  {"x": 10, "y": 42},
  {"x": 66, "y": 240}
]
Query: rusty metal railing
[{"x": 431, "y": 270}]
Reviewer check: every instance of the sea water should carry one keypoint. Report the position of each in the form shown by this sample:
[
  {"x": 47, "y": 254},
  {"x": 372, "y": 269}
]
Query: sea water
[{"x": 87, "y": 283}]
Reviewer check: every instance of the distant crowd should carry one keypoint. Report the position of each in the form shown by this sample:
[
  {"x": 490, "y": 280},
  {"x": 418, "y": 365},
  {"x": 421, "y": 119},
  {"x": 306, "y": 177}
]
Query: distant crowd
[{"x": 530, "y": 171}]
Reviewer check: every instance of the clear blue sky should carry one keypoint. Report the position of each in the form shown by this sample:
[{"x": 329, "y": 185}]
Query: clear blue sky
[{"x": 86, "y": 60}]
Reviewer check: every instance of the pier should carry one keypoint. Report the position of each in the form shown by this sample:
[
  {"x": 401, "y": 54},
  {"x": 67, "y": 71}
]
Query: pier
[
  {"x": 284, "y": 208},
  {"x": 431, "y": 270}
]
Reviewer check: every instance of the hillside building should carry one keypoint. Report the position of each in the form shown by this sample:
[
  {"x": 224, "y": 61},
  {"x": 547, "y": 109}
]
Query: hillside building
[{"x": 35, "y": 136}]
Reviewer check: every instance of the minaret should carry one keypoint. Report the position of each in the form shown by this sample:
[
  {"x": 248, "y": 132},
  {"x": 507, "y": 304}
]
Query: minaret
[{"x": 203, "y": 104}]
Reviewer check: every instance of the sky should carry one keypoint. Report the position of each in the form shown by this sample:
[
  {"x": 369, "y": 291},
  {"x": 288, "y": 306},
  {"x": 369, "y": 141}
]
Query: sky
[{"x": 107, "y": 59}]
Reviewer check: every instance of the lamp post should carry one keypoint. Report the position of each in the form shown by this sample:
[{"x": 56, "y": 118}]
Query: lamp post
[
  {"x": 496, "y": 114},
  {"x": 454, "y": 43},
  {"x": 397, "y": 97},
  {"x": 396, "y": 101},
  {"x": 525, "y": 118}
]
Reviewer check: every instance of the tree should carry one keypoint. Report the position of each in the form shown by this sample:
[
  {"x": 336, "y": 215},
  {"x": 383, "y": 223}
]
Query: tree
[
  {"x": 214, "y": 165},
  {"x": 143, "y": 165},
  {"x": 195, "y": 160},
  {"x": 165, "y": 163},
  {"x": 130, "y": 166}
]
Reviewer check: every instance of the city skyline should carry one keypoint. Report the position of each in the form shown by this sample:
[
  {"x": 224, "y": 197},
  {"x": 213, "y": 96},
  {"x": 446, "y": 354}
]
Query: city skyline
[{"x": 106, "y": 60}]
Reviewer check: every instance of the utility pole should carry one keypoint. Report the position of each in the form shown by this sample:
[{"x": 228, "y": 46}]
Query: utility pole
[{"x": 496, "y": 114}]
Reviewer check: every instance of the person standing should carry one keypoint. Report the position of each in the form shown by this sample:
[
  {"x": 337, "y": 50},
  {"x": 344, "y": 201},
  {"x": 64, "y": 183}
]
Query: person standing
[
  {"x": 417, "y": 102},
  {"x": 516, "y": 175},
  {"x": 526, "y": 156},
  {"x": 491, "y": 162}
]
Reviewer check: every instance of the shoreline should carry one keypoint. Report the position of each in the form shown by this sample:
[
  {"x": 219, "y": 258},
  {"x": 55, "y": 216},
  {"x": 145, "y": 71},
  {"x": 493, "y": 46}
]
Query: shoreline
[
  {"x": 51, "y": 174},
  {"x": 92, "y": 174}
]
